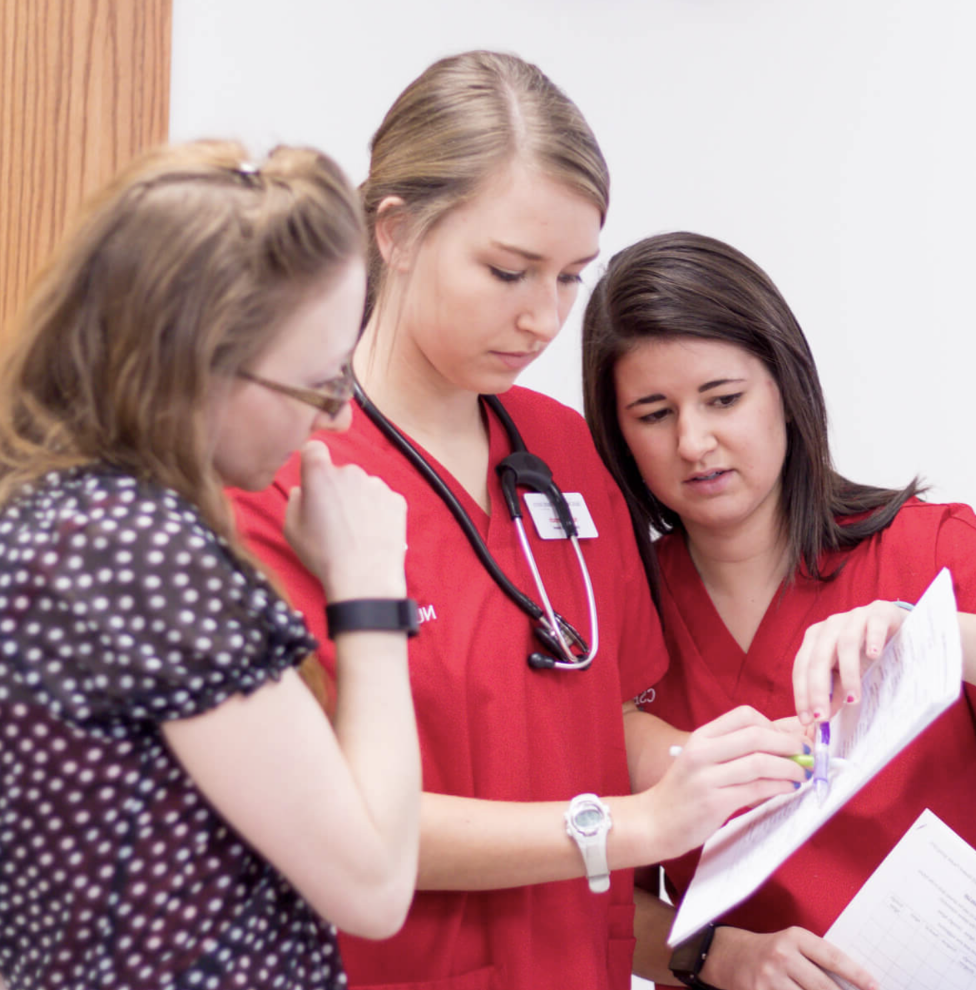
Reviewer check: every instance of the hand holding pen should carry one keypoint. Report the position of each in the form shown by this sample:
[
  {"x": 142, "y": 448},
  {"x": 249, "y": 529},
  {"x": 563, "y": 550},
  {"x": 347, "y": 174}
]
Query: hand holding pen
[
  {"x": 735, "y": 761},
  {"x": 817, "y": 765}
]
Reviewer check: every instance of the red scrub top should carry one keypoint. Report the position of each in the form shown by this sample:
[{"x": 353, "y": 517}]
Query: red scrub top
[
  {"x": 491, "y": 727},
  {"x": 709, "y": 674}
]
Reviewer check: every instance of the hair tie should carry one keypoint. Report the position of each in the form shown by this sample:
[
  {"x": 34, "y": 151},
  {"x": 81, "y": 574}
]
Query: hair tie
[{"x": 249, "y": 172}]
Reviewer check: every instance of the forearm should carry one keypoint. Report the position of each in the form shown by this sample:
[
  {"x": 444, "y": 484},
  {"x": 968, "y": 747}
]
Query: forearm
[
  {"x": 649, "y": 740},
  {"x": 473, "y": 844},
  {"x": 652, "y": 923},
  {"x": 375, "y": 728},
  {"x": 271, "y": 765},
  {"x": 733, "y": 762}
]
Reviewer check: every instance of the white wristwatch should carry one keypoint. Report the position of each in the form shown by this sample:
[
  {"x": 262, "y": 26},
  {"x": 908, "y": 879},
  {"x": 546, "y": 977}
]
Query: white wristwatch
[{"x": 587, "y": 822}]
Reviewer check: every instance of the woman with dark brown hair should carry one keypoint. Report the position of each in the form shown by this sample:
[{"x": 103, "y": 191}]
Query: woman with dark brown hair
[
  {"x": 175, "y": 809},
  {"x": 703, "y": 398}
]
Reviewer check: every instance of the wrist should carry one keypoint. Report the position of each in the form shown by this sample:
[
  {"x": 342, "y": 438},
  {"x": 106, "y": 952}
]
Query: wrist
[
  {"x": 662, "y": 834},
  {"x": 692, "y": 961},
  {"x": 714, "y": 970},
  {"x": 345, "y": 587},
  {"x": 634, "y": 840}
]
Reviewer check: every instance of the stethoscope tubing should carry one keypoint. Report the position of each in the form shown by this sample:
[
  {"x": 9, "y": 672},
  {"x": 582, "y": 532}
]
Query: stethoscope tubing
[
  {"x": 544, "y": 614},
  {"x": 554, "y": 625}
]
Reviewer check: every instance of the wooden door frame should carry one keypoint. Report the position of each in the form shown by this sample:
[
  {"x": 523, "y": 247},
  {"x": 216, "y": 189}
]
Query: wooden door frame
[{"x": 84, "y": 85}]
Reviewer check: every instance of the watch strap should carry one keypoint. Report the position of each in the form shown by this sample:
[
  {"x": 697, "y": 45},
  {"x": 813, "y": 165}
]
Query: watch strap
[
  {"x": 595, "y": 862},
  {"x": 692, "y": 953},
  {"x": 592, "y": 847},
  {"x": 373, "y": 615}
]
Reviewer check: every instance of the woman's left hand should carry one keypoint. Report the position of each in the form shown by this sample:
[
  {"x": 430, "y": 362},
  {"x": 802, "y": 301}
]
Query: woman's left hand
[
  {"x": 835, "y": 652},
  {"x": 792, "y": 959}
]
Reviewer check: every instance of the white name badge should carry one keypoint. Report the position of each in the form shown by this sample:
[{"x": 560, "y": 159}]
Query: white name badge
[{"x": 547, "y": 523}]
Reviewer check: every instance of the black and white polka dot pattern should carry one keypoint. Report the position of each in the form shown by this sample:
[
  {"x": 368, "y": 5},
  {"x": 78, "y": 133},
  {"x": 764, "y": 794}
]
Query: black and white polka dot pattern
[{"x": 120, "y": 609}]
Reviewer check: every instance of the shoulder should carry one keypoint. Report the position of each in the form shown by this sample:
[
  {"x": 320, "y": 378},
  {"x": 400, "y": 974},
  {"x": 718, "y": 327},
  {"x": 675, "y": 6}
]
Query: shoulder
[
  {"x": 103, "y": 501},
  {"x": 917, "y": 518},
  {"x": 901, "y": 560},
  {"x": 98, "y": 527},
  {"x": 155, "y": 615}
]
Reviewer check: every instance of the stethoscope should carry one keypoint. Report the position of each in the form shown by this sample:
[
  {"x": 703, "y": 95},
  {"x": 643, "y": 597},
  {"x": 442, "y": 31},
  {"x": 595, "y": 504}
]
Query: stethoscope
[{"x": 520, "y": 469}]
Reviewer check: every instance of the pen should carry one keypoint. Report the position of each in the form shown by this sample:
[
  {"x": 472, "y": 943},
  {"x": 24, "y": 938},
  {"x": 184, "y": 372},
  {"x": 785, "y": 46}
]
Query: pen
[{"x": 821, "y": 762}]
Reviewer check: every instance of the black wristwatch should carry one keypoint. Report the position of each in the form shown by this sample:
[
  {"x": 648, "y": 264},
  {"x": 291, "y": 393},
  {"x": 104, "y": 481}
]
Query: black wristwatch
[
  {"x": 372, "y": 615},
  {"x": 689, "y": 956}
]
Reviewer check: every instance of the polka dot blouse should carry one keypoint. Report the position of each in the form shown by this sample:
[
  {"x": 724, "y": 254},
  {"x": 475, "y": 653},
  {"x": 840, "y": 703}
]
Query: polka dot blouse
[{"x": 120, "y": 609}]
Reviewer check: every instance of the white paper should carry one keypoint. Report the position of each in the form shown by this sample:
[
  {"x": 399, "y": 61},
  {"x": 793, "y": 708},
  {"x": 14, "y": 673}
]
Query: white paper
[
  {"x": 917, "y": 677},
  {"x": 912, "y": 926}
]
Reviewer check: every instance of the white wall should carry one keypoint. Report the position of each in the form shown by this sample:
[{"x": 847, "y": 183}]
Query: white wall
[{"x": 831, "y": 141}]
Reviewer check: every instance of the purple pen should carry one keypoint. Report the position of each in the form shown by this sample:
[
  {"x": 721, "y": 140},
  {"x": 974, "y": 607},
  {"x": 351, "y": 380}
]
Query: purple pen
[{"x": 821, "y": 762}]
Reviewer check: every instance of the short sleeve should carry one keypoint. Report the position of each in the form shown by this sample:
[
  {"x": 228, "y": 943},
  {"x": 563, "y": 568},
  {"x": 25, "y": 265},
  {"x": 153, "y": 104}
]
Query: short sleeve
[
  {"x": 956, "y": 549},
  {"x": 120, "y": 604},
  {"x": 642, "y": 654}
]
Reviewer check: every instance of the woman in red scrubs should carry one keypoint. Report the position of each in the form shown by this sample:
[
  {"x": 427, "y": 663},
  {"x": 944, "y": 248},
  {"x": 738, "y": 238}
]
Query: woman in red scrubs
[
  {"x": 704, "y": 401},
  {"x": 485, "y": 199}
]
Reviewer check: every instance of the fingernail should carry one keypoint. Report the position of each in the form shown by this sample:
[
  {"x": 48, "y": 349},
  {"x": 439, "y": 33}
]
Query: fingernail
[
  {"x": 809, "y": 774},
  {"x": 817, "y": 714},
  {"x": 806, "y": 750},
  {"x": 796, "y": 784},
  {"x": 851, "y": 699}
]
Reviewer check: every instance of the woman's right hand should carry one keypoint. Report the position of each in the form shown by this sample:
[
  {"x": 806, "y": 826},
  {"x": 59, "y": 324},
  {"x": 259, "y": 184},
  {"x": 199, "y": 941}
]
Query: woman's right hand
[
  {"x": 785, "y": 960},
  {"x": 348, "y": 528},
  {"x": 736, "y": 761}
]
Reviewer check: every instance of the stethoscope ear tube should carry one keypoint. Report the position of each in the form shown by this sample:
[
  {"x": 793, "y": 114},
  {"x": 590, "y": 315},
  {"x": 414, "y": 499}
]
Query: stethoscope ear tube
[{"x": 524, "y": 470}]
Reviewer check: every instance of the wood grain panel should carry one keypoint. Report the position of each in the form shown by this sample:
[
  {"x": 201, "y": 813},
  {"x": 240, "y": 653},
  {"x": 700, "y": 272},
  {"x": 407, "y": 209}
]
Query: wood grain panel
[{"x": 84, "y": 84}]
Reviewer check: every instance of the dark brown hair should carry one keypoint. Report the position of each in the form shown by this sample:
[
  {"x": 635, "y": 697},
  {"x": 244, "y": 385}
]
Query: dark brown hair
[
  {"x": 176, "y": 274},
  {"x": 687, "y": 285}
]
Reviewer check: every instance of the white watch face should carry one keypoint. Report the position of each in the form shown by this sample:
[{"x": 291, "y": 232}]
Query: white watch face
[{"x": 588, "y": 820}]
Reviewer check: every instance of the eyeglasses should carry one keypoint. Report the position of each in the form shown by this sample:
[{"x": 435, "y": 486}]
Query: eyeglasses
[{"x": 329, "y": 398}]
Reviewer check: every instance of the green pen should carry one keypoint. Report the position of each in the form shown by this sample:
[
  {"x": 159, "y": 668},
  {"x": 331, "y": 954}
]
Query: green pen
[{"x": 805, "y": 760}]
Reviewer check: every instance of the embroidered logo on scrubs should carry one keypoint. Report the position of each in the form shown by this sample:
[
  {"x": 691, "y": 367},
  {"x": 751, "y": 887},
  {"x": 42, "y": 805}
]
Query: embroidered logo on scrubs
[
  {"x": 645, "y": 697},
  {"x": 426, "y": 613},
  {"x": 547, "y": 523}
]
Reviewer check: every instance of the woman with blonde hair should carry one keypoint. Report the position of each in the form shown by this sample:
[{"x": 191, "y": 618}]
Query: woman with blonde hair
[
  {"x": 175, "y": 810},
  {"x": 485, "y": 199}
]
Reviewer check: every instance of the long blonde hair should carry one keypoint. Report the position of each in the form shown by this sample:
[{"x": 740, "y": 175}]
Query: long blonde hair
[
  {"x": 177, "y": 272},
  {"x": 461, "y": 120}
]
